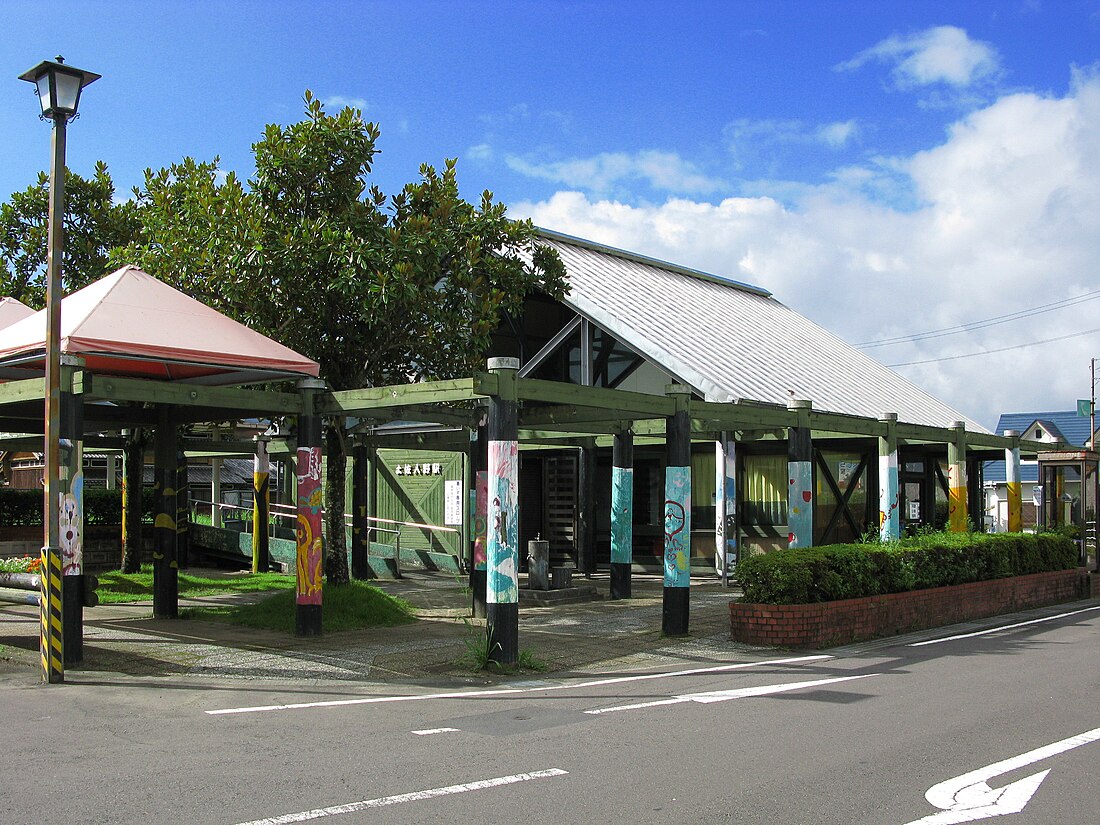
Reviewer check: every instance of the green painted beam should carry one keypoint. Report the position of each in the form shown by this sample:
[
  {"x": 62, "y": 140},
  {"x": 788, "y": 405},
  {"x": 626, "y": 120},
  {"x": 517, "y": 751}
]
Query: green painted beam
[
  {"x": 363, "y": 401},
  {"x": 618, "y": 403},
  {"x": 28, "y": 389},
  {"x": 255, "y": 402},
  {"x": 565, "y": 414}
]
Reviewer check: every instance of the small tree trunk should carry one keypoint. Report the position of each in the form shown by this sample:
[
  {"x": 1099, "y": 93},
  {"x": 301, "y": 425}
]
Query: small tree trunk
[
  {"x": 133, "y": 458},
  {"x": 336, "y": 545}
]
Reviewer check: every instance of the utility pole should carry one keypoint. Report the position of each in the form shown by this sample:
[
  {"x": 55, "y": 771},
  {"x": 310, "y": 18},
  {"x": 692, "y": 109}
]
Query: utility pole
[{"x": 1092, "y": 408}]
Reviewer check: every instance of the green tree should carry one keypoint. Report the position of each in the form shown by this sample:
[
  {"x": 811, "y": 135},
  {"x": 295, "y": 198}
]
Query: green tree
[
  {"x": 94, "y": 224},
  {"x": 376, "y": 290}
]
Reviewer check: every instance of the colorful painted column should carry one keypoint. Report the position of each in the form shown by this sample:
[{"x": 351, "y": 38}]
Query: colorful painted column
[
  {"x": 133, "y": 464},
  {"x": 309, "y": 555},
  {"x": 183, "y": 512},
  {"x": 360, "y": 523},
  {"x": 71, "y": 511},
  {"x": 502, "y": 556},
  {"x": 216, "y": 491},
  {"x": 586, "y": 508},
  {"x": 677, "y": 560},
  {"x": 725, "y": 506},
  {"x": 1012, "y": 477},
  {"x": 479, "y": 518},
  {"x": 622, "y": 513},
  {"x": 889, "y": 500},
  {"x": 957, "y": 518},
  {"x": 800, "y": 477},
  {"x": 165, "y": 563},
  {"x": 261, "y": 505}
]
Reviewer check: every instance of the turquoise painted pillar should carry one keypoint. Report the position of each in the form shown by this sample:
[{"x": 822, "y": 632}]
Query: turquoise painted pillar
[
  {"x": 502, "y": 556},
  {"x": 725, "y": 506},
  {"x": 622, "y": 513},
  {"x": 800, "y": 472},
  {"x": 889, "y": 500},
  {"x": 677, "y": 560}
]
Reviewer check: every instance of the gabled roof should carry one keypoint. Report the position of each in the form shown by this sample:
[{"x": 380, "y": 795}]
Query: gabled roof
[
  {"x": 129, "y": 323},
  {"x": 731, "y": 341},
  {"x": 1067, "y": 424},
  {"x": 12, "y": 310}
]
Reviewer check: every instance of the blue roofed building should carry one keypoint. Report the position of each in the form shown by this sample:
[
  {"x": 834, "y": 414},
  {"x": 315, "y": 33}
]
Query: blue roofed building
[{"x": 1063, "y": 427}]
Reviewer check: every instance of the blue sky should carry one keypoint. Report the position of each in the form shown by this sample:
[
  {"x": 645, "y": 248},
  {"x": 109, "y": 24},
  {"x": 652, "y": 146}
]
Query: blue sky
[{"x": 886, "y": 168}]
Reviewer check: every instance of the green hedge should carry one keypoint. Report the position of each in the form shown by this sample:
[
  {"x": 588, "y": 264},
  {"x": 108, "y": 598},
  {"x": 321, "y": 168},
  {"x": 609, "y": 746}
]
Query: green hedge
[
  {"x": 849, "y": 571},
  {"x": 23, "y": 508}
]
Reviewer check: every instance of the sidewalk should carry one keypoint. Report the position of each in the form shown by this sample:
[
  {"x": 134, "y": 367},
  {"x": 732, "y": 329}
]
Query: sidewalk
[{"x": 568, "y": 638}]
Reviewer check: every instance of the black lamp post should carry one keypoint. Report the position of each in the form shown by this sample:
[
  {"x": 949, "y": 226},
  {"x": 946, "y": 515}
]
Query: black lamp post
[{"x": 58, "y": 87}]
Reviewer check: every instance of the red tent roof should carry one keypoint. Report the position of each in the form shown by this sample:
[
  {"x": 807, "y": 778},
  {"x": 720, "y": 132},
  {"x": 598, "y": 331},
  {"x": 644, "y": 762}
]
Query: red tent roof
[
  {"x": 12, "y": 310},
  {"x": 129, "y": 323}
]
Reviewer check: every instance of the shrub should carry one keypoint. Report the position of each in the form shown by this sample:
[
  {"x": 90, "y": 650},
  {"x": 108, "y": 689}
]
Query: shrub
[
  {"x": 23, "y": 508},
  {"x": 848, "y": 571}
]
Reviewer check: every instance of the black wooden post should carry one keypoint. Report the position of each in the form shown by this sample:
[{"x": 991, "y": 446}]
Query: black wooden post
[
  {"x": 165, "y": 564},
  {"x": 261, "y": 506},
  {"x": 360, "y": 525},
  {"x": 586, "y": 509},
  {"x": 309, "y": 555},
  {"x": 133, "y": 465},
  {"x": 677, "y": 564},
  {"x": 622, "y": 513},
  {"x": 479, "y": 505},
  {"x": 71, "y": 513},
  {"x": 502, "y": 558},
  {"x": 183, "y": 512}
]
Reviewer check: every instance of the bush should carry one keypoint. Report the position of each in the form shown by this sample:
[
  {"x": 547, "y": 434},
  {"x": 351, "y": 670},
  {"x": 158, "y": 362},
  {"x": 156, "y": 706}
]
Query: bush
[
  {"x": 23, "y": 508},
  {"x": 849, "y": 571}
]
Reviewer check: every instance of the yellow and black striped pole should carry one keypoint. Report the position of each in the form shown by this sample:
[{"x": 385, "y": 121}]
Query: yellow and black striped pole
[
  {"x": 261, "y": 506},
  {"x": 52, "y": 643}
]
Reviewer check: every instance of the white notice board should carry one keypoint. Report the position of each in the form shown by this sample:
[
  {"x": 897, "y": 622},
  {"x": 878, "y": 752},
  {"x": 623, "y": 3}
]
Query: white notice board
[{"x": 452, "y": 503}]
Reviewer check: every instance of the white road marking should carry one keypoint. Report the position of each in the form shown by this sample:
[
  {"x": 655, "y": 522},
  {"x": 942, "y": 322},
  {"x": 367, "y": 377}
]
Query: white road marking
[
  {"x": 474, "y": 694},
  {"x": 726, "y": 695},
  {"x": 415, "y": 796},
  {"x": 431, "y": 731},
  {"x": 969, "y": 797},
  {"x": 1003, "y": 627}
]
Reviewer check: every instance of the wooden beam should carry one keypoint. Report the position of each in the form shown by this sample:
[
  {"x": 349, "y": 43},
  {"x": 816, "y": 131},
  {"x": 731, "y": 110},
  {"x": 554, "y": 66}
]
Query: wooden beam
[
  {"x": 232, "y": 399},
  {"x": 29, "y": 389},
  {"x": 363, "y": 401},
  {"x": 618, "y": 403}
]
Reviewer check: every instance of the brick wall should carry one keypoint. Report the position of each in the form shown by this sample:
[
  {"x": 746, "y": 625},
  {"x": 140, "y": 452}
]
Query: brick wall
[{"x": 853, "y": 620}]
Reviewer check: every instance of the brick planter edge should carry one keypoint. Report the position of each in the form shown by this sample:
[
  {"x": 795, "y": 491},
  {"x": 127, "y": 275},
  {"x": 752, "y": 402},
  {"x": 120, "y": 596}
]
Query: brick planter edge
[{"x": 827, "y": 624}]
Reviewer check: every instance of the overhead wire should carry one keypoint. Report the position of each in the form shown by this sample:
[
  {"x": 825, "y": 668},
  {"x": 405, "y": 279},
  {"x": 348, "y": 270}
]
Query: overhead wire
[{"x": 993, "y": 351}]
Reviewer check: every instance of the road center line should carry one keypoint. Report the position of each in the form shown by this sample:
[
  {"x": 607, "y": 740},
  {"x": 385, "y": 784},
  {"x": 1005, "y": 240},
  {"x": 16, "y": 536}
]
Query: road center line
[
  {"x": 431, "y": 731},
  {"x": 415, "y": 796},
  {"x": 725, "y": 695},
  {"x": 475, "y": 694},
  {"x": 1003, "y": 627}
]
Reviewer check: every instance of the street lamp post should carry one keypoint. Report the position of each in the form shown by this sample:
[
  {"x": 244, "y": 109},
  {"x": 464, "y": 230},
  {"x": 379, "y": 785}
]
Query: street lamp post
[{"x": 58, "y": 87}]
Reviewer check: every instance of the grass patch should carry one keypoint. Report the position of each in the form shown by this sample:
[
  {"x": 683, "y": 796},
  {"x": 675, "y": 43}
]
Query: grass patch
[
  {"x": 115, "y": 587},
  {"x": 351, "y": 607}
]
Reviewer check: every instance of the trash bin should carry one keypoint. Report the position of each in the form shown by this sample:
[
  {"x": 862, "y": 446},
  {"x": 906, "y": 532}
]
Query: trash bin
[{"x": 538, "y": 564}]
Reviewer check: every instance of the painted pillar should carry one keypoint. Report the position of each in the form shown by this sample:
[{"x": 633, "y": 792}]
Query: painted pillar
[
  {"x": 183, "y": 512},
  {"x": 216, "y": 491},
  {"x": 165, "y": 563},
  {"x": 586, "y": 508},
  {"x": 1012, "y": 477},
  {"x": 622, "y": 513},
  {"x": 309, "y": 556},
  {"x": 261, "y": 505},
  {"x": 71, "y": 511},
  {"x": 957, "y": 517},
  {"x": 479, "y": 510},
  {"x": 360, "y": 526},
  {"x": 502, "y": 556},
  {"x": 133, "y": 466},
  {"x": 725, "y": 506},
  {"x": 677, "y": 559},
  {"x": 800, "y": 477},
  {"x": 112, "y": 471},
  {"x": 889, "y": 499}
]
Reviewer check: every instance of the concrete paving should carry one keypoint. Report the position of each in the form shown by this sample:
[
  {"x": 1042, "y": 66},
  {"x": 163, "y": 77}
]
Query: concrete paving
[{"x": 124, "y": 640}]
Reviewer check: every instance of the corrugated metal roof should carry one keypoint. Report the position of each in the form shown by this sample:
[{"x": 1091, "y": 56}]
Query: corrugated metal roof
[
  {"x": 1065, "y": 424},
  {"x": 733, "y": 341}
]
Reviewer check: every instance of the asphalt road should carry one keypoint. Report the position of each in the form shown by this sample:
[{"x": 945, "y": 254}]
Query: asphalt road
[{"x": 988, "y": 724}]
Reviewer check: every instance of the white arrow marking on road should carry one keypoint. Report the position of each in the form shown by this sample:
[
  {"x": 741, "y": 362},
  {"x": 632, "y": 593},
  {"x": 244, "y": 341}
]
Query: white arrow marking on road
[
  {"x": 415, "y": 796},
  {"x": 968, "y": 797},
  {"x": 726, "y": 695}
]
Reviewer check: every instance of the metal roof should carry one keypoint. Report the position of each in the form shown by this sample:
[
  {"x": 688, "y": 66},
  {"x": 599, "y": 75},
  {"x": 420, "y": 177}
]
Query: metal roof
[
  {"x": 1066, "y": 424},
  {"x": 731, "y": 341}
]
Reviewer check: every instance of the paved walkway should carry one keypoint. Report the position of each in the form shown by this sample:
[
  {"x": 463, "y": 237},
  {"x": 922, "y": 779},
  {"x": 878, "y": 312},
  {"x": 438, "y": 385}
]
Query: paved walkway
[{"x": 572, "y": 638}]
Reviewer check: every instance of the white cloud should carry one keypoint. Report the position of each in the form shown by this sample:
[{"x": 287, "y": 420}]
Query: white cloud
[
  {"x": 752, "y": 140},
  {"x": 482, "y": 151},
  {"x": 940, "y": 55},
  {"x": 1005, "y": 220},
  {"x": 665, "y": 171},
  {"x": 341, "y": 102},
  {"x": 838, "y": 135}
]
